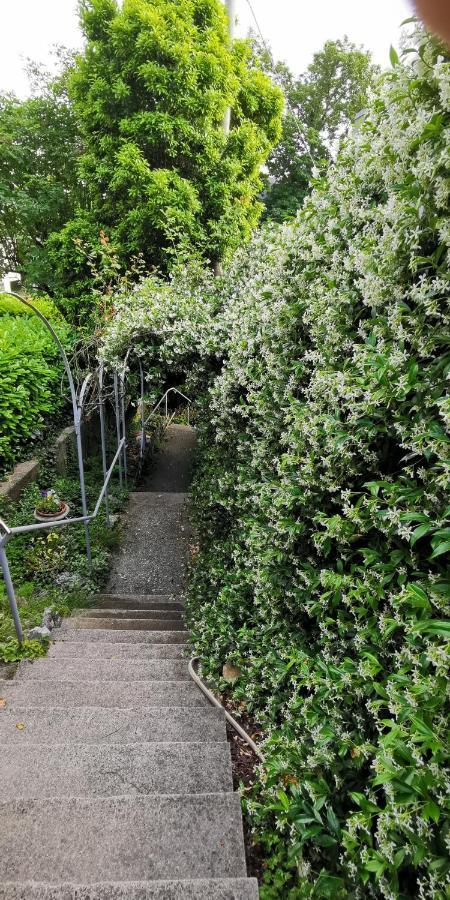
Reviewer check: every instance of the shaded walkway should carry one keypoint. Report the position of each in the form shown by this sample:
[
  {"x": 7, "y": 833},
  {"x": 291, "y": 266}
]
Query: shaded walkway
[{"x": 115, "y": 770}]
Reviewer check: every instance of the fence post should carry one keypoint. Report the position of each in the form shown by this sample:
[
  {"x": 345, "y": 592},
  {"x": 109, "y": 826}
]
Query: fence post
[
  {"x": 101, "y": 410},
  {"x": 116, "y": 408},
  {"x": 10, "y": 591}
]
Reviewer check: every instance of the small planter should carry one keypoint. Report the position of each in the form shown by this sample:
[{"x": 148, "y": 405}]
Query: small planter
[{"x": 52, "y": 510}]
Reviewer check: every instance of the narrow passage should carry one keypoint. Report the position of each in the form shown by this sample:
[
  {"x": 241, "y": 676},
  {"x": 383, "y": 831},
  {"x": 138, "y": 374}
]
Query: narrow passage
[{"x": 115, "y": 770}]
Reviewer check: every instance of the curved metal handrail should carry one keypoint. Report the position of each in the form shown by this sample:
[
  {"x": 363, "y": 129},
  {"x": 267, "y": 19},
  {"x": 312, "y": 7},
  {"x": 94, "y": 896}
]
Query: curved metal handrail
[
  {"x": 165, "y": 398},
  {"x": 120, "y": 457}
]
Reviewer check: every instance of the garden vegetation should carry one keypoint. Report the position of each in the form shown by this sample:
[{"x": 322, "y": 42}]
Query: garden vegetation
[
  {"x": 30, "y": 374},
  {"x": 321, "y": 496}
]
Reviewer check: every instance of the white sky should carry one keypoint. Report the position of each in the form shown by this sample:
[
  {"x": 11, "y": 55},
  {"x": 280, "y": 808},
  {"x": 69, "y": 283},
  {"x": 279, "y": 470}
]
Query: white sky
[{"x": 294, "y": 28}]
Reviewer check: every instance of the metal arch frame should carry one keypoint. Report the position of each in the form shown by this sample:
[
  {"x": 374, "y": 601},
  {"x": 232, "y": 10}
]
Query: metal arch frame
[
  {"x": 120, "y": 456},
  {"x": 77, "y": 410}
]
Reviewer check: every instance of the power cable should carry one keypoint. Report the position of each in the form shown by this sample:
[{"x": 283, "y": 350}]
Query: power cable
[{"x": 266, "y": 47}]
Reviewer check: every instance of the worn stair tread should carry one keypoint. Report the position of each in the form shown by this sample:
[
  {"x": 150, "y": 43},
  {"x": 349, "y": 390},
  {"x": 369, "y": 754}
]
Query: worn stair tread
[
  {"x": 180, "y": 889},
  {"x": 97, "y": 650},
  {"x": 91, "y": 725},
  {"x": 120, "y": 636},
  {"x": 104, "y": 670},
  {"x": 119, "y": 694},
  {"x": 122, "y": 838},
  {"x": 127, "y": 624},
  {"x": 107, "y": 613},
  {"x": 139, "y": 601},
  {"x": 94, "y": 770}
]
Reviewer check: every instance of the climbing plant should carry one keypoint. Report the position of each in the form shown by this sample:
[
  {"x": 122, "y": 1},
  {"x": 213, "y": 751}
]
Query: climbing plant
[{"x": 321, "y": 498}]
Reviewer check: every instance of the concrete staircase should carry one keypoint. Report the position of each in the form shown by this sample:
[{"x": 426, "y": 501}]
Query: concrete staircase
[{"x": 115, "y": 771}]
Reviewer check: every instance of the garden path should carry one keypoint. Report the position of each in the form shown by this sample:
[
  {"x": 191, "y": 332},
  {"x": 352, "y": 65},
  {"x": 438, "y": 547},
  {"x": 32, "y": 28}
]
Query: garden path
[{"x": 115, "y": 770}]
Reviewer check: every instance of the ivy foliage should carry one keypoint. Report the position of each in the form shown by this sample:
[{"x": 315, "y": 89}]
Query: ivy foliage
[
  {"x": 322, "y": 498},
  {"x": 150, "y": 92}
]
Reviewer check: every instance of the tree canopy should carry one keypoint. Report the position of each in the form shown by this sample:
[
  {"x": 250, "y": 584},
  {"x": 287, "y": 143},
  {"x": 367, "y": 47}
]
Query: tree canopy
[
  {"x": 149, "y": 92},
  {"x": 38, "y": 178},
  {"x": 320, "y": 104}
]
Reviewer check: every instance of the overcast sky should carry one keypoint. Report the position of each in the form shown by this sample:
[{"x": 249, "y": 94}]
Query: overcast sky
[{"x": 294, "y": 28}]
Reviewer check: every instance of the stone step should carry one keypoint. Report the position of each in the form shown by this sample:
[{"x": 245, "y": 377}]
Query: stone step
[
  {"x": 196, "y": 889},
  {"x": 104, "y": 670},
  {"x": 110, "y": 694},
  {"x": 98, "y": 650},
  {"x": 92, "y": 725},
  {"x": 127, "y": 624},
  {"x": 138, "y": 601},
  {"x": 123, "y": 637},
  {"x": 34, "y": 771},
  {"x": 96, "y": 613},
  {"x": 122, "y": 838}
]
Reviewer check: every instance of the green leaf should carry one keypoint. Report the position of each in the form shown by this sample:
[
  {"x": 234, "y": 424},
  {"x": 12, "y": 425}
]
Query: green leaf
[
  {"x": 440, "y": 627},
  {"x": 431, "y": 811},
  {"x": 393, "y": 56}
]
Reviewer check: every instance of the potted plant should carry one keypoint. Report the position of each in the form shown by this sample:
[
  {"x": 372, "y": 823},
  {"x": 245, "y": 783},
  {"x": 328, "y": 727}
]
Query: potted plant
[{"x": 50, "y": 508}]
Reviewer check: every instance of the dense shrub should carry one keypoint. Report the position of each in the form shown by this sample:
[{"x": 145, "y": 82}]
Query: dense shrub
[
  {"x": 30, "y": 373},
  {"x": 322, "y": 501}
]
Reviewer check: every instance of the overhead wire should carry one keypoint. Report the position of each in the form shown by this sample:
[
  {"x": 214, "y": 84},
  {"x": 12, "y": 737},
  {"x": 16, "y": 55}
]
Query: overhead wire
[{"x": 266, "y": 47}]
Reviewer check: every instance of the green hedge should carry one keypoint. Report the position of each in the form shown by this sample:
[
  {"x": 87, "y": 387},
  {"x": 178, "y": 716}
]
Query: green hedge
[
  {"x": 30, "y": 375},
  {"x": 321, "y": 499}
]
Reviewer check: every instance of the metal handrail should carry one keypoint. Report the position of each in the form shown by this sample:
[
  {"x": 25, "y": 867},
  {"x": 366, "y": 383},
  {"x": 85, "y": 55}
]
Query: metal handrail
[
  {"x": 165, "y": 398},
  {"x": 120, "y": 456},
  {"x": 41, "y": 526}
]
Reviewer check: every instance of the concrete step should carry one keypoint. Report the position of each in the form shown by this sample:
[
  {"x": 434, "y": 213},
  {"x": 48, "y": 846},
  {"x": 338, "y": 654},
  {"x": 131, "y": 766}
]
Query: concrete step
[
  {"x": 98, "y": 613},
  {"x": 97, "y": 650},
  {"x": 110, "y": 635},
  {"x": 104, "y": 670},
  {"x": 34, "y": 771},
  {"x": 197, "y": 889},
  {"x": 127, "y": 624},
  {"x": 122, "y": 838},
  {"x": 110, "y": 694},
  {"x": 92, "y": 725},
  {"x": 138, "y": 601}
]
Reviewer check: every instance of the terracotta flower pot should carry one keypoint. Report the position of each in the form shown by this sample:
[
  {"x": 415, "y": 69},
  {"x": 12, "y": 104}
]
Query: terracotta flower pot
[{"x": 52, "y": 516}]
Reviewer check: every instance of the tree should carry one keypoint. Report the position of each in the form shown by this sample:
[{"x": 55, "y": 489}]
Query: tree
[
  {"x": 320, "y": 104},
  {"x": 158, "y": 173},
  {"x": 38, "y": 176}
]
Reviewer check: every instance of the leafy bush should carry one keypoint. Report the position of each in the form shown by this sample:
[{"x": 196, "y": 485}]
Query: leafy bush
[
  {"x": 30, "y": 373},
  {"x": 322, "y": 500}
]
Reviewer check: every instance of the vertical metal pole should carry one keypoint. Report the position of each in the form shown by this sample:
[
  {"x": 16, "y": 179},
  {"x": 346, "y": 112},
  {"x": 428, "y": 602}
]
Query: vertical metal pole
[
  {"x": 101, "y": 409},
  {"x": 142, "y": 450},
  {"x": 124, "y": 427},
  {"x": 166, "y": 403},
  {"x": 83, "y": 487},
  {"x": 116, "y": 406},
  {"x": 231, "y": 12},
  {"x": 10, "y": 591}
]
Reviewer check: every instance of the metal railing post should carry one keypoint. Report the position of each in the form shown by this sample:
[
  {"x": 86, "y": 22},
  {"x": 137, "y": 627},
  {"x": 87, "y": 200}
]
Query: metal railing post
[
  {"x": 124, "y": 427},
  {"x": 101, "y": 409},
  {"x": 143, "y": 437},
  {"x": 117, "y": 412},
  {"x": 83, "y": 488},
  {"x": 10, "y": 591}
]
